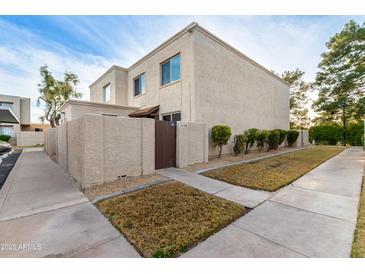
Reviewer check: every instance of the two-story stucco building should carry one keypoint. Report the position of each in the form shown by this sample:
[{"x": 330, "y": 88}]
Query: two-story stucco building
[
  {"x": 196, "y": 77},
  {"x": 19, "y": 117}
]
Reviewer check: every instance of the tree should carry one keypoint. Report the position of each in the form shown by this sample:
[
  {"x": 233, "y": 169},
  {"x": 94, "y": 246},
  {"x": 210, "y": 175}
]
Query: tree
[
  {"x": 54, "y": 93},
  {"x": 298, "y": 98},
  {"x": 250, "y": 138},
  {"x": 340, "y": 80},
  {"x": 220, "y": 136}
]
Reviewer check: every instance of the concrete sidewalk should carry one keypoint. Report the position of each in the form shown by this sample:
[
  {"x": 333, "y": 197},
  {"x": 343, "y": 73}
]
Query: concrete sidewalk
[
  {"x": 43, "y": 214},
  {"x": 313, "y": 217},
  {"x": 247, "y": 197}
]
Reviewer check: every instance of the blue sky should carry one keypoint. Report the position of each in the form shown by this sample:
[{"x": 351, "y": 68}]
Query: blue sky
[{"x": 88, "y": 45}]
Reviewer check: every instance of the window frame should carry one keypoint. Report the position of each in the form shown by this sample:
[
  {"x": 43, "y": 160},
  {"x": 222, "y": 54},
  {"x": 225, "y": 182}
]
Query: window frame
[
  {"x": 170, "y": 114},
  {"x": 104, "y": 93},
  {"x": 161, "y": 71},
  {"x": 8, "y": 105},
  {"x": 143, "y": 90}
]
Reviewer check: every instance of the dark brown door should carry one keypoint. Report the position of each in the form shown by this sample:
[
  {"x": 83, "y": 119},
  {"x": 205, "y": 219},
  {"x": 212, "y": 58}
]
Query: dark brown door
[{"x": 165, "y": 144}]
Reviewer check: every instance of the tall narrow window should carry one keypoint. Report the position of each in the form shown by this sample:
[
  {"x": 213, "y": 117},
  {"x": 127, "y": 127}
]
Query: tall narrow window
[
  {"x": 139, "y": 85},
  {"x": 106, "y": 93},
  {"x": 170, "y": 70}
]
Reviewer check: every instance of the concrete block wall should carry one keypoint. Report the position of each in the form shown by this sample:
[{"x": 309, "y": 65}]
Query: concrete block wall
[
  {"x": 51, "y": 143},
  {"x": 303, "y": 139},
  {"x": 191, "y": 143},
  {"x": 29, "y": 138},
  {"x": 102, "y": 148},
  {"x": 62, "y": 146}
]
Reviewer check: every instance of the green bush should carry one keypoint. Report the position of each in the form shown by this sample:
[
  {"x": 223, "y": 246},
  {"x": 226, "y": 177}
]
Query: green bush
[
  {"x": 220, "y": 136},
  {"x": 328, "y": 133},
  {"x": 239, "y": 143},
  {"x": 331, "y": 133},
  {"x": 354, "y": 132},
  {"x": 5, "y": 138},
  {"x": 261, "y": 139},
  {"x": 250, "y": 138},
  {"x": 282, "y": 136},
  {"x": 292, "y": 136},
  {"x": 273, "y": 139}
]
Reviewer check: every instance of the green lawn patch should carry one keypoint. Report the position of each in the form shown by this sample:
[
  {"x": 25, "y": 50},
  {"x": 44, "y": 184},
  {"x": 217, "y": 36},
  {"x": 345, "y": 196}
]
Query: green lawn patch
[
  {"x": 168, "y": 219},
  {"x": 275, "y": 172},
  {"x": 358, "y": 246}
]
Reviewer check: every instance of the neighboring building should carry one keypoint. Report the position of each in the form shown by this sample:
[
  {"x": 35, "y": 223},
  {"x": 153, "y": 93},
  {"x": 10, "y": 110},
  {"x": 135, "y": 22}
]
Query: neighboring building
[
  {"x": 196, "y": 77},
  {"x": 20, "y": 108}
]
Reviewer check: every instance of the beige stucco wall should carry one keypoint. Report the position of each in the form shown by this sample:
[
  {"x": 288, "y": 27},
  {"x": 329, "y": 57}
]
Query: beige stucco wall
[
  {"x": 117, "y": 78},
  {"x": 29, "y": 138},
  {"x": 191, "y": 143},
  {"x": 230, "y": 90},
  {"x": 21, "y": 107},
  {"x": 75, "y": 109},
  {"x": 51, "y": 143},
  {"x": 173, "y": 97},
  {"x": 303, "y": 139},
  {"x": 75, "y": 148},
  {"x": 62, "y": 146},
  {"x": 101, "y": 148}
]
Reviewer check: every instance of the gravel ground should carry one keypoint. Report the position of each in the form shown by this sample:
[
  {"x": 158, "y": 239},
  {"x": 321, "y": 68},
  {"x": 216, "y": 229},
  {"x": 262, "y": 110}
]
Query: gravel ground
[
  {"x": 119, "y": 185},
  {"x": 230, "y": 159}
]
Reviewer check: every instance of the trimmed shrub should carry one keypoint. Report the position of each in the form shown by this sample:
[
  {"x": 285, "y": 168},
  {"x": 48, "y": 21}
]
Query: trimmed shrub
[
  {"x": 262, "y": 139},
  {"x": 354, "y": 133},
  {"x": 273, "y": 139},
  {"x": 5, "y": 138},
  {"x": 282, "y": 136},
  {"x": 328, "y": 133},
  {"x": 250, "y": 138},
  {"x": 220, "y": 136},
  {"x": 239, "y": 143},
  {"x": 292, "y": 136}
]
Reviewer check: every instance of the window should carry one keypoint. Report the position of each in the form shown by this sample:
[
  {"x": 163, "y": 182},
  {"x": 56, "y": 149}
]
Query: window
[
  {"x": 6, "y": 105},
  {"x": 106, "y": 93},
  {"x": 170, "y": 70},
  {"x": 7, "y": 130},
  {"x": 139, "y": 85},
  {"x": 173, "y": 117}
]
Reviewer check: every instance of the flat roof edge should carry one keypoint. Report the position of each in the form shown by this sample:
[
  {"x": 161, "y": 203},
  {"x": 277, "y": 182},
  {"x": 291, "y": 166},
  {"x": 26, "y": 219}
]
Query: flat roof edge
[{"x": 88, "y": 103}]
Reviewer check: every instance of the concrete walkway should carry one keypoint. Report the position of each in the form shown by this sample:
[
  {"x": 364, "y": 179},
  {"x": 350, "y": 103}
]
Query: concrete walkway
[
  {"x": 43, "y": 214},
  {"x": 313, "y": 217},
  {"x": 248, "y": 197}
]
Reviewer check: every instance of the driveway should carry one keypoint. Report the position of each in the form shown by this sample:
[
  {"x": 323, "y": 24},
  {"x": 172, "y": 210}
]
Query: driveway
[
  {"x": 43, "y": 214},
  {"x": 313, "y": 217}
]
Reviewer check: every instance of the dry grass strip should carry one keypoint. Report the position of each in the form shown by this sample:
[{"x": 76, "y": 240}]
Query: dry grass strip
[
  {"x": 168, "y": 219},
  {"x": 273, "y": 173},
  {"x": 358, "y": 246}
]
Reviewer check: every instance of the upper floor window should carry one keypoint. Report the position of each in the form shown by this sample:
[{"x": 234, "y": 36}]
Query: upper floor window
[
  {"x": 106, "y": 93},
  {"x": 170, "y": 70},
  {"x": 139, "y": 85},
  {"x": 6, "y": 105}
]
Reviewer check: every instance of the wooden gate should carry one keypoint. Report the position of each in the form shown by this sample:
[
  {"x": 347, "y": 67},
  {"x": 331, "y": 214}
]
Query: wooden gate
[{"x": 165, "y": 144}]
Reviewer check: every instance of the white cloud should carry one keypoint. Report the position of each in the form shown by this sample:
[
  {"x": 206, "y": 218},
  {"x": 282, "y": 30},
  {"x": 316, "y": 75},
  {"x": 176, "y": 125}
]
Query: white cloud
[
  {"x": 278, "y": 43},
  {"x": 20, "y": 63}
]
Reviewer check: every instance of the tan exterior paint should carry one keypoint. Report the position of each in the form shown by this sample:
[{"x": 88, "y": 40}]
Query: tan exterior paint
[
  {"x": 117, "y": 78},
  {"x": 29, "y": 138},
  {"x": 21, "y": 109},
  {"x": 73, "y": 109},
  {"x": 218, "y": 85},
  {"x": 95, "y": 149},
  {"x": 191, "y": 144},
  {"x": 35, "y": 127}
]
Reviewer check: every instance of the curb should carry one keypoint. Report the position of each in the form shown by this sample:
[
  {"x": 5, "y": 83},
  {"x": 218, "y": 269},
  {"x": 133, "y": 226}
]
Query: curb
[
  {"x": 130, "y": 190},
  {"x": 250, "y": 160}
]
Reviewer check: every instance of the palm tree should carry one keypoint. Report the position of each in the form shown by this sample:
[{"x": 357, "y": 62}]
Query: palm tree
[{"x": 54, "y": 93}]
